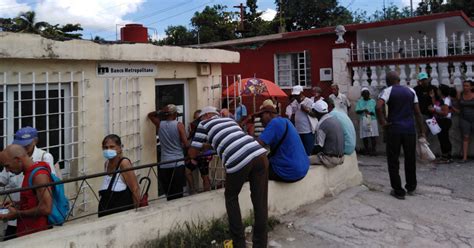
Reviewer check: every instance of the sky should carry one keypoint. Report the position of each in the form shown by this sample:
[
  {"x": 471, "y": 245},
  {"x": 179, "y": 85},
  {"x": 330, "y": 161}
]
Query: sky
[{"x": 104, "y": 17}]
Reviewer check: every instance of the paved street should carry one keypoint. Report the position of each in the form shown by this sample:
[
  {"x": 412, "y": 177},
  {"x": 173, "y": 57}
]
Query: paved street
[{"x": 441, "y": 214}]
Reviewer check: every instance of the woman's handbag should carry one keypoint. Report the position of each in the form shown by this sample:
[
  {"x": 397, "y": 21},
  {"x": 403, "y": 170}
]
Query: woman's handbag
[{"x": 144, "y": 199}]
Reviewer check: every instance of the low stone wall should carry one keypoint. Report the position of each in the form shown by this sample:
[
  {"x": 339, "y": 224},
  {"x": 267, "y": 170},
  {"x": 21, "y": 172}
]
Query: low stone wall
[{"x": 135, "y": 226}]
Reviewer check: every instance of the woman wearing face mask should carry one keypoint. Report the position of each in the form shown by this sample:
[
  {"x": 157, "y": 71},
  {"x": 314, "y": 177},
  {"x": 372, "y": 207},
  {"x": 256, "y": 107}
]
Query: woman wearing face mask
[{"x": 120, "y": 191}]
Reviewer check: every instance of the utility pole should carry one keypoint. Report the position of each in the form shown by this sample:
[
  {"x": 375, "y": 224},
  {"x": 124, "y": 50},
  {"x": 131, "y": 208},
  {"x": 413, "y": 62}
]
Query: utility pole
[
  {"x": 411, "y": 7},
  {"x": 282, "y": 22},
  {"x": 242, "y": 7}
]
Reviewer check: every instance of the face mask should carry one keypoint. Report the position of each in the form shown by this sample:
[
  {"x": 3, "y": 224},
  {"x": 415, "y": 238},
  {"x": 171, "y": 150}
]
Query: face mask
[{"x": 109, "y": 154}]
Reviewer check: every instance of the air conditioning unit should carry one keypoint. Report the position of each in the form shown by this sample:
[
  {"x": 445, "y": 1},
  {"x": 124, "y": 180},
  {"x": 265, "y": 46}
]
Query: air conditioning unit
[{"x": 325, "y": 74}]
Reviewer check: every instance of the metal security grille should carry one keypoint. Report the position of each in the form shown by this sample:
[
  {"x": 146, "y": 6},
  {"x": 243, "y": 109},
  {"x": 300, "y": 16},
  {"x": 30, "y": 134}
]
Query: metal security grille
[
  {"x": 53, "y": 103},
  {"x": 293, "y": 69},
  {"x": 122, "y": 116}
]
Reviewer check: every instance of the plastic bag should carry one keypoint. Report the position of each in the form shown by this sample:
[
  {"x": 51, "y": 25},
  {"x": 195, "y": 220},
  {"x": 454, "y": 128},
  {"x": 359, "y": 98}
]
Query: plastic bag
[
  {"x": 367, "y": 123},
  {"x": 424, "y": 152},
  {"x": 433, "y": 125}
]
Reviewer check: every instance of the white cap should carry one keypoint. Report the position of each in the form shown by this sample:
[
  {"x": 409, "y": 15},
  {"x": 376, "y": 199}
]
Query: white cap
[
  {"x": 297, "y": 90},
  {"x": 320, "y": 106},
  {"x": 364, "y": 89},
  {"x": 207, "y": 110}
]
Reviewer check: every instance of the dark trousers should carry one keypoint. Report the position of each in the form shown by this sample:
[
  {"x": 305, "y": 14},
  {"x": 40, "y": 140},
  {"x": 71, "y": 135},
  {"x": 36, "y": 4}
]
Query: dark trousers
[
  {"x": 394, "y": 142},
  {"x": 308, "y": 142},
  {"x": 443, "y": 137},
  {"x": 172, "y": 180},
  {"x": 10, "y": 233},
  {"x": 257, "y": 174}
]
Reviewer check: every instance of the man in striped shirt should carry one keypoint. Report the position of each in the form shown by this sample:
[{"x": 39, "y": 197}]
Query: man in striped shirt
[{"x": 243, "y": 158}]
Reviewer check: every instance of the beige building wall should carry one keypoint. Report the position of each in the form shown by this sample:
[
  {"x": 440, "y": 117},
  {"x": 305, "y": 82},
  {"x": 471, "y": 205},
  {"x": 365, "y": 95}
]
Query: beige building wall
[{"x": 29, "y": 55}]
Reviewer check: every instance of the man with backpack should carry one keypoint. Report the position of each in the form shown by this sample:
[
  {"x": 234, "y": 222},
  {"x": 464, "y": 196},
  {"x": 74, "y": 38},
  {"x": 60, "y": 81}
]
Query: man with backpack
[
  {"x": 27, "y": 137},
  {"x": 35, "y": 205}
]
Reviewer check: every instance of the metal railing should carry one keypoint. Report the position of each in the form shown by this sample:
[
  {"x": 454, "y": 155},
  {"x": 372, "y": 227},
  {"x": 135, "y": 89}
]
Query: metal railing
[
  {"x": 6, "y": 194},
  {"x": 456, "y": 44}
]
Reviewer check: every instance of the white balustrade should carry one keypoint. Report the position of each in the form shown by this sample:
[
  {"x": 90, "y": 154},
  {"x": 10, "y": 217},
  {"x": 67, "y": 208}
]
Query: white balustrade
[
  {"x": 365, "y": 78},
  {"x": 423, "y": 68},
  {"x": 457, "y": 73},
  {"x": 412, "y": 75},
  {"x": 434, "y": 74},
  {"x": 403, "y": 75},
  {"x": 443, "y": 68},
  {"x": 469, "y": 72},
  {"x": 356, "y": 77},
  {"x": 383, "y": 75},
  {"x": 373, "y": 76}
]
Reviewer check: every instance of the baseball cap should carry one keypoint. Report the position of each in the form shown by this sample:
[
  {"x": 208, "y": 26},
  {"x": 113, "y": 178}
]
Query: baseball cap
[
  {"x": 208, "y": 109},
  {"x": 422, "y": 75},
  {"x": 170, "y": 109},
  {"x": 320, "y": 106},
  {"x": 297, "y": 90},
  {"x": 25, "y": 136}
]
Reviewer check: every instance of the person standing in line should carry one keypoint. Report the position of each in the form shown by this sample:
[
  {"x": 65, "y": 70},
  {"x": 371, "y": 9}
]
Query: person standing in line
[
  {"x": 173, "y": 142},
  {"x": 466, "y": 117},
  {"x": 304, "y": 119},
  {"x": 403, "y": 114},
  {"x": 32, "y": 211},
  {"x": 28, "y": 138},
  {"x": 244, "y": 159},
  {"x": 340, "y": 100},
  {"x": 118, "y": 192},
  {"x": 441, "y": 109},
  {"x": 369, "y": 130},
  {"x": 240, "y": 112},
  {"x": 424, "y": 90},
  {"x": 201, "y": 163},
  {"x": 316, "y": 94}
]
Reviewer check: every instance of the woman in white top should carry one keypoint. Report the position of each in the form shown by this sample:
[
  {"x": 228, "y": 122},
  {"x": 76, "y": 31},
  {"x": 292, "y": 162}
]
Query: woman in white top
[
  {"x": 441, "y": 109},
  {"x": 119, "y": 192}
]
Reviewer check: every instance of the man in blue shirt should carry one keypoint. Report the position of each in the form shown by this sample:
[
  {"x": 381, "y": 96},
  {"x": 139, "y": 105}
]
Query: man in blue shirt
[
  {"x": 240, "y": 111},
  {"x": 288, "y": 159},
  {"x": 403, "y": 113}
]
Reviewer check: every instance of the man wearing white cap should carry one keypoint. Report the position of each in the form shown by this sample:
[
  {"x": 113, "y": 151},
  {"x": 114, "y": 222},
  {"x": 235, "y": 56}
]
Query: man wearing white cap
[
  {"x": 244, "y": 159},
  {"x": 304, "y": 120},
  {"x": 330, "y": 138}
]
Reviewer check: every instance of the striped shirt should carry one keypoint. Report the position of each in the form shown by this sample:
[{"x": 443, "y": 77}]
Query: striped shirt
[{"x": 234, "y": 147}]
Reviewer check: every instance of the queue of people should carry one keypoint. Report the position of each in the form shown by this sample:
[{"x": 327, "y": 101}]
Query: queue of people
[{"x": 259, "y": 147}]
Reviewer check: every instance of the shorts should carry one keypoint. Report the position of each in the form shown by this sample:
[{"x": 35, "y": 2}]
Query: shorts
[
  {"x": 466, "y": 126},
  {"x": 202, "y": 165}
]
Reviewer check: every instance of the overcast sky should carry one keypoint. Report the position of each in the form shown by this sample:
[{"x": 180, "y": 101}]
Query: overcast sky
[{"x": 102, "y": 17}]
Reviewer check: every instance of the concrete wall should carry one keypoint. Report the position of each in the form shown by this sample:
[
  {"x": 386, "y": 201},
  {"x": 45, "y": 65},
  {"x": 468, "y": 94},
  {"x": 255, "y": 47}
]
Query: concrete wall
[{"x": 135, "y": 226}]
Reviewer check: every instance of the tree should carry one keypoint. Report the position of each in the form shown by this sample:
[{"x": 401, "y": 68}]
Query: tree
[
  {"x": 307, "y": 14},
  {"x": 178, "y": 36},
  {"x": 214, "y": 24},
  {"x": 436, "y": 6},
  {"x": 254, "y": 24},
  {"x": 25, "y": 22}
]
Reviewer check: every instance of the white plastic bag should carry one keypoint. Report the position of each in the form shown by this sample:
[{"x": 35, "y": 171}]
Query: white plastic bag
[
  {"x": 424, "y": 152},
  {"x": 433, "y": 125}
]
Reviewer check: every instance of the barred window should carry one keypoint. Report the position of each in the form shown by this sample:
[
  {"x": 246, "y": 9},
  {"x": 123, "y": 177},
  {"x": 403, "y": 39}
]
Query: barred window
[{"x": 293, "y": 69}]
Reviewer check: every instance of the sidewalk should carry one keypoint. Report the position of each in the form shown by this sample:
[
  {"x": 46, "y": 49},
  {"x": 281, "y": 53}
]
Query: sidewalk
[{"x": 441, "y": 214}]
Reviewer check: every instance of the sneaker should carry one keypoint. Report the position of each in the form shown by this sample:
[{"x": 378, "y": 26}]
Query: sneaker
[
  {"x": 399, "y": 197},
  {"x": 442, "y": 161},
  {"x": 411, "y": 192}
]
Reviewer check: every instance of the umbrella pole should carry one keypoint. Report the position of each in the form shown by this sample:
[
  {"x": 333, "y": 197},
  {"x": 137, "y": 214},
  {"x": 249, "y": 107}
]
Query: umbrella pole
[{"x": 254, "y": 104}]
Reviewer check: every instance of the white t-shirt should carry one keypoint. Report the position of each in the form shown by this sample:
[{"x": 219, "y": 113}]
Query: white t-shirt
[
  {"x": 340, "y": 102},
  {"x": 302, "y": 121}
]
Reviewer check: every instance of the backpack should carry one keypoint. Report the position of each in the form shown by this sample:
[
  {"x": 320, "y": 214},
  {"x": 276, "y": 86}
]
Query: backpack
[{"x": 60, "y": 208}]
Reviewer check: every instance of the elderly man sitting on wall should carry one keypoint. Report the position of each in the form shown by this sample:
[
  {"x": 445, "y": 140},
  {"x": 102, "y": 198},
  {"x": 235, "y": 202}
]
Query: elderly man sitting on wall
[{"x": 330, "y": 138}]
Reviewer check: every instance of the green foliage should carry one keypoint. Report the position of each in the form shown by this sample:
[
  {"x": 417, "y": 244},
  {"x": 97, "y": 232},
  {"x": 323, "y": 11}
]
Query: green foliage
[
  {"x": 25, "y": 22},
  {"x": 178, "y": 36},
  {"x": 201, "y": 234},
  {"x": 437, "y": 6},
  {"x": 214, "y": 24}
]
